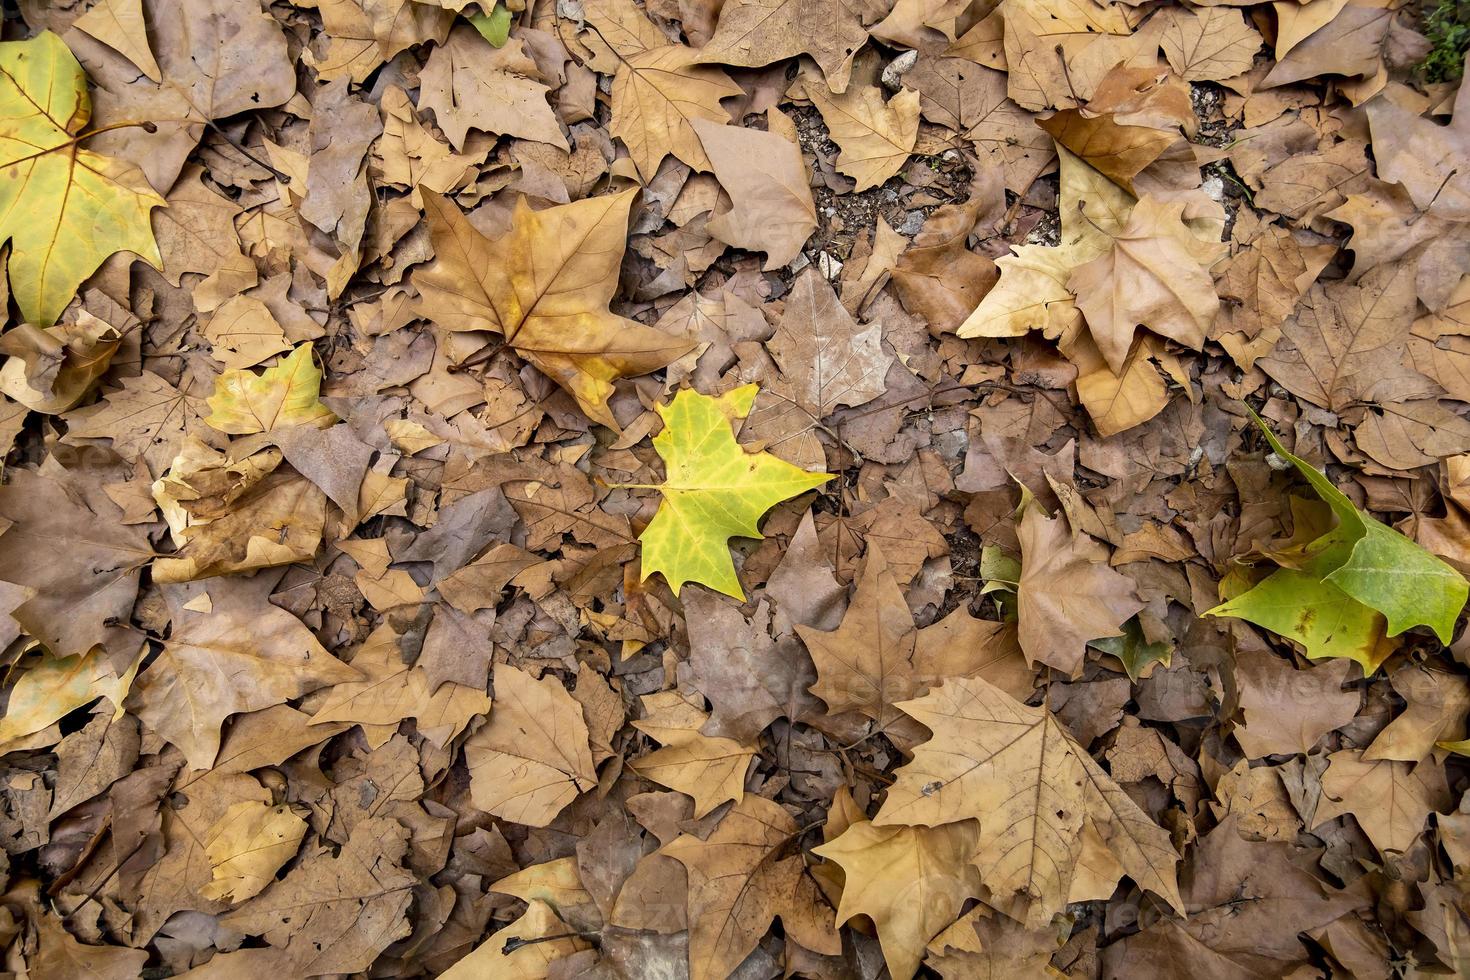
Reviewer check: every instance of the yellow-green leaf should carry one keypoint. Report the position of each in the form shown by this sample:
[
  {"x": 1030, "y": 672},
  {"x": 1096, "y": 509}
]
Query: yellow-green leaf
[
  {"x": 245, "y": 402},
  {"x": 715, "y": 490},
  {"x": 1133, "y": 648},
  {"x": 1325, "y": 620},
  {"x": 63, "y": 209},
  {"x": 1363, "y": 582}
]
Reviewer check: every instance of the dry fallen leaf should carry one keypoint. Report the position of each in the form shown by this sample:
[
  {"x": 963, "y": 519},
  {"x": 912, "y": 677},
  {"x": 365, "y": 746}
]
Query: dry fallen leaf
[
  {"x": 1156, "y": 274},
  {"x": 771, "y": 208},
  {"x": 532, "y": 759},
  {"x": 877, "y": 657},
  {"x": 498, "y": 957},
  {"x": 544, "y": 287},
  {"x": 1210, "y": 44},
  {"x": 751, "y": 33},
  {"x": 335, "y": 913},
  {"x": 825, "y": 361},
  {"x": 240, "y": 654},
  {"x": 658, "y": 88},
  {"x": 876, "y": 134},
  {"x": 711, "y": 770},
  {"x": 470, "y": 85},
  {"x": 405, "y": 341},
  {"x": 247, "y": 846},
  {"x": 1066, "y": 595},
  {"x": 1391, "y": 800},
  {"x": 1286, "y": 711},
  {"x": 911, "y": 881},
  {"x": 1033, "y": 789},
  {"x": 739, "y": 882}
]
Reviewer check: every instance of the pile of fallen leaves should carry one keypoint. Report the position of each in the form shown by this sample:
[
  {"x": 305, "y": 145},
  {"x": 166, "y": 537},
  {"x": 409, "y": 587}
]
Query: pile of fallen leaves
[{"x": 732, "y": 488}]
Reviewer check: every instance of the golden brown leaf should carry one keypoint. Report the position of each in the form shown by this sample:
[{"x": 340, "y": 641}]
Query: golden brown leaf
[
  {"x": 1033, "y": 789},
  {"x": 544, "y": 286},
  {"x": 911, "y": 881},
  {"x": 740, "y": 879},
  {"x": 1155, "y": 273},
  {"x": 533, "y": 758},
  {"x": 711, "y": 770},
  {"x": 1391, "y": 800},
  {"x": 247, "y": 846}
]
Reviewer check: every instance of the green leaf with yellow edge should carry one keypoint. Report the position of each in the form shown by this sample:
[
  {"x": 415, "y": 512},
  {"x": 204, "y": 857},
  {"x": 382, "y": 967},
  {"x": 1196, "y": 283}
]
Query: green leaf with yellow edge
[
  {"x": 63, "y": 209},
  {"x": 714, "y": 490},
  {"x": 1382, "y": 568},
  {"x": 245, "y": 402},
  {"x": 1359, "y": 584}
]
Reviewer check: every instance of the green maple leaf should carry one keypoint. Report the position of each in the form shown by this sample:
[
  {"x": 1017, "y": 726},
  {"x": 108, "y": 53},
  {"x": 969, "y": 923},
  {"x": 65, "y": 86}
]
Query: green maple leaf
[
  {"x": 1363, "y": 582},
  {"x": 1325, "y": 620},
  {"x": 715, "y": 490},
  {"x": 494, "y": 26},
  {"x": 63, "y": 209}
]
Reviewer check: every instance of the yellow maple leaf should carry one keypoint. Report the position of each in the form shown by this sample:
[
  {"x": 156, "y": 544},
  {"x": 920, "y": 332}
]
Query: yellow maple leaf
[
  {"x": 245, "y": 402},
  {"x": 715, "y": 490},
  {"x": 63, "y": 209}
]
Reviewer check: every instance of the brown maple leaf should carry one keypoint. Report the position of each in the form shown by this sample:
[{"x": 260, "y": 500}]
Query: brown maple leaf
[
  {"x": 544, "y": 287},
  {"x": 1067, "y": 594},
  {"x": 1033, "y": 789}
]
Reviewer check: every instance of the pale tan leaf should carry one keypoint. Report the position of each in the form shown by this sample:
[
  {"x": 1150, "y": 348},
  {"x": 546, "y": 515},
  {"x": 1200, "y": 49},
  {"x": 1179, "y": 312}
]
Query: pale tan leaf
[{"x": 533, "y": 758}]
